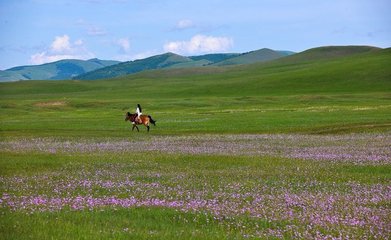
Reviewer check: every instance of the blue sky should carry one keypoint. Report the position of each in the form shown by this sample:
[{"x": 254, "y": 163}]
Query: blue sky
[{"x": 40, "y": 31}]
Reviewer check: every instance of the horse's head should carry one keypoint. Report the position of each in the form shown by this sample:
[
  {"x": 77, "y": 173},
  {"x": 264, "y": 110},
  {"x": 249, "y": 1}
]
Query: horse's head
[{"x": 127, "y": 116}]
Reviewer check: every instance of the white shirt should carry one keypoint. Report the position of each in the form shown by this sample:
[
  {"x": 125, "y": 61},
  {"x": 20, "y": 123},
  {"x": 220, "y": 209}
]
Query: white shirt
[{"x": 138, "y": 112}]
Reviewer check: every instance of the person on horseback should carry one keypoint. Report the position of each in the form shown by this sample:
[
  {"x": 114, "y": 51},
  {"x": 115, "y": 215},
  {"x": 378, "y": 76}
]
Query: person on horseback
[
  {"x": 138, "y": 111},
  {"x": 139, "y": 118}
]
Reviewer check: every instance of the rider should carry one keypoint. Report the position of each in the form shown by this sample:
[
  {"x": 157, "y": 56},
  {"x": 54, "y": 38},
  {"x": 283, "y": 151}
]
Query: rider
[{"x": 138, "y": 111}]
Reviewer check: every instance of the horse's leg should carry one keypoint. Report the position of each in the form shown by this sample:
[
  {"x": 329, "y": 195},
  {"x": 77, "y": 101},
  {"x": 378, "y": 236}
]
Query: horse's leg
[
  {"x": 146, "y": 123},
  {"x": 137, "y": 128},
  {"x": 133, "y": 127}
]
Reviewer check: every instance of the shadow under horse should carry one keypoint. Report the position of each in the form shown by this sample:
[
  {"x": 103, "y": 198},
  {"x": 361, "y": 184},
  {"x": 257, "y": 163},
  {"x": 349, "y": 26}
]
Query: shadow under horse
[{"x": 145, "y": 120}]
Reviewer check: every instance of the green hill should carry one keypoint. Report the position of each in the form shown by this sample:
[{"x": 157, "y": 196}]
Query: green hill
[
  {"x": 205, "y": 60},
  {"x": 155, "y": 62},
  {"x": 167, "y": 60},
  {"x": 215, "y": 58},
  {"x": 328, "y": 53},
  {"x": 100, "y": 69},
  {"x": 362, "y": 70},
  {"x": 63, "y": 69},
  {"x": 7, "y": 76},
  {"x": 262, "y": 55},
  {"x": 171, "y": 60}
]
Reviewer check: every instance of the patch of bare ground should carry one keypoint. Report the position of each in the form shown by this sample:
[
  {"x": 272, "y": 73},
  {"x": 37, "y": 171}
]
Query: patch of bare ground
[{"x": 51, "y": 104}]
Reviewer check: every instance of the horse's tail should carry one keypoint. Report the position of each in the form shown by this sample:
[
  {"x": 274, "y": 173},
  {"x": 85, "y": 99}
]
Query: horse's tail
[{"x": 151, "y": 120}]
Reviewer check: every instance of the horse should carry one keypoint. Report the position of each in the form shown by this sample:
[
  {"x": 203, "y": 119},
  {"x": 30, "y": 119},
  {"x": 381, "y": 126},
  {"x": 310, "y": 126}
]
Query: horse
[{"x": 145, "y": 120}]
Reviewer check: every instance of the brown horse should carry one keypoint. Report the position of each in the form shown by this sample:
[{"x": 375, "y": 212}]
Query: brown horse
[{"x": 145, "y": 120}]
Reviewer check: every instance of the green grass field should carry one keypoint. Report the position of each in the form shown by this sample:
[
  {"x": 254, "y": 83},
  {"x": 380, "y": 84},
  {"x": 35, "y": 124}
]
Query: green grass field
[
  {"x": 294, "y": 148},
  {"x": 344, "y": 94}
]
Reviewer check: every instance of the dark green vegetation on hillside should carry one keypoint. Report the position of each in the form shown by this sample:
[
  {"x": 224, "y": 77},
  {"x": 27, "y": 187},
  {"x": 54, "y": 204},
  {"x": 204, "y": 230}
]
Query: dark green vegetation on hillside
[
  {"x": 100, "y": 69},
  {"x": 262, "y": 55},
  {"x": 293, "y": 94},
  {"x": 155, "y": 62},
  {"x": 63, "y": 69},
  {"x": 171, "y": 60}
]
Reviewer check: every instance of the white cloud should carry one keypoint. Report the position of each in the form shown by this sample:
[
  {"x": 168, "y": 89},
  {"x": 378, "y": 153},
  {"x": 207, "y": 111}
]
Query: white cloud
[
  {"x": 61, "y": 44},
  {"x": 124, "y": 44},
  {"x": 200, "y": 44},
  {"x": 123, "y": 52},
  {"x": 62, "y": 48}
]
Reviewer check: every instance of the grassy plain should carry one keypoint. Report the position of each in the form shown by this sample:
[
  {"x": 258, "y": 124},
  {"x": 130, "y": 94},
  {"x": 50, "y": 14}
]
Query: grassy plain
[
  {"x": 343, "y": 94},
  {"x": 69, "y": 192}
]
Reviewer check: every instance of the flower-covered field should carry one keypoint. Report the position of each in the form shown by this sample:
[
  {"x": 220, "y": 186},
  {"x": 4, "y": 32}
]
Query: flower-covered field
[
  {"x": 240, "y": 186},
  {"x": 372, "y": 149}
]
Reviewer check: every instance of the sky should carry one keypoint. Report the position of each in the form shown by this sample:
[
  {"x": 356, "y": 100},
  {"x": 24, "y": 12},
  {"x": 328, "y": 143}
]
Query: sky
[{"x": 40, "y": 31}]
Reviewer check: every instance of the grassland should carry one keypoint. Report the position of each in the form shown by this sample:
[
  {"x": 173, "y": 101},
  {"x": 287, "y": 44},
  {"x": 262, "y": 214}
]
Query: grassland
[
  {"x": 300, "y": 96},
  {"x": 294, "y": 148}
]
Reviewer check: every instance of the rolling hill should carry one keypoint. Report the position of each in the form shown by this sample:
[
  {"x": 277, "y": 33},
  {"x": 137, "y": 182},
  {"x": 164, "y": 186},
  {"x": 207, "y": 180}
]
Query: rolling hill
[
  {"x": 63, "y": 69},
  {"x": 214, "y": 58},
  {"x": 155, "y": 62},
  {"x": 262, "y": 55},
  {"x": 334, "y": 70},
  {"x": 353, "y": 69},
  {"x": 101, "y": 69},
  {"x": 327, "y": 53},
  {"x": 171, "y": 60}
]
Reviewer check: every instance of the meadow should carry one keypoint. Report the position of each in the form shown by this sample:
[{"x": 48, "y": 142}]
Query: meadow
[{"x": 291, "y": 149}]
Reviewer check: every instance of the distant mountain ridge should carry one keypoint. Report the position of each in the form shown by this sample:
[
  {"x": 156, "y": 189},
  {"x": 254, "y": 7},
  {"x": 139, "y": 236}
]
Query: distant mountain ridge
[
  {"x": 155, "y": 62},
  {"x": 172, "y": 60},
  {"x": 59, "y": 70},
  {"x": 261, "y": 55},
  {"x": 100, "y": 69}
]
